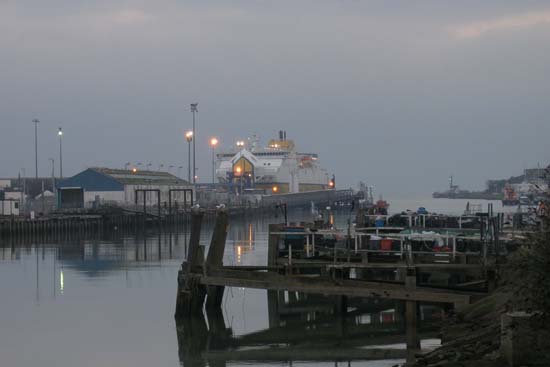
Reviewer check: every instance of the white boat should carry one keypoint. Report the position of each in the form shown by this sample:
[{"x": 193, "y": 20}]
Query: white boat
[{"x": 277, "y": 168}]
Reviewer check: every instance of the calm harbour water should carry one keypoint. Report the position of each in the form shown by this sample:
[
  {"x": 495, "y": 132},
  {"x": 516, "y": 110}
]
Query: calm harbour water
[{"x": 110, "y": 301}]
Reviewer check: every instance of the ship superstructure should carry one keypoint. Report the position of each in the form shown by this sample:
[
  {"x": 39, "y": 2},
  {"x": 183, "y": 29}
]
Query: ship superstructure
[{"x": 276, "y": 168}]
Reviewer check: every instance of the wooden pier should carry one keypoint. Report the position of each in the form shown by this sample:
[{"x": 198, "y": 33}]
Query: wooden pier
[
  {"x": 310, "y": 269},
  {"x": 95, "y": 221}
]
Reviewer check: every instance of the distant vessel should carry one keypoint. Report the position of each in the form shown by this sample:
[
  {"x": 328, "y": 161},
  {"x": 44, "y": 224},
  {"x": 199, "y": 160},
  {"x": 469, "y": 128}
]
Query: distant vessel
[
  {"x": 510, "y": 196},
  {"x": 454, "y": 192},
  {"x": 277, "y": 168}
]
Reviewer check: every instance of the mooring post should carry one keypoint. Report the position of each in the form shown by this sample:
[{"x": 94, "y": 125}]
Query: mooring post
[
  {"x": 413, "y": 342},
  {"x": 273, "y": 244},
  {"x": 273, "y": 308},
  {"x": 214, "y": 260},
  {"x": 191, "y": 293},
  {"x": 192, "y": 337}
]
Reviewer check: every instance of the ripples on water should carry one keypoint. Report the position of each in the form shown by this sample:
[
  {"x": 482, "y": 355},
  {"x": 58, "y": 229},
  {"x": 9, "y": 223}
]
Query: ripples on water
[{"x": 110, "y": 302}]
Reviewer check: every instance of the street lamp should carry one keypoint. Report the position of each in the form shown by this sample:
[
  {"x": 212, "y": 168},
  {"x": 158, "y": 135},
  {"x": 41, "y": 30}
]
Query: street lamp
[
  {"x": 36, "y": 121},
  {"x": 189, "y": 138},
  {"x": 53, "y": 173},
  {"x": 24, "y": 188},
  {"x": 60, "y": 134},
  {"x": 193, "y": 111},
  {"x": 213, "y": 143}
]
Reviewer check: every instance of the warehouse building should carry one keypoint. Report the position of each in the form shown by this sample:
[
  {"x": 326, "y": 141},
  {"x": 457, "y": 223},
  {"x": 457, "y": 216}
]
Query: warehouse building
[{"x": 98, "y": 186}]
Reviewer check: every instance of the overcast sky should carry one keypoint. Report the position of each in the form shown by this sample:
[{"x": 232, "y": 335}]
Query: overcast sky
[{"x": 399, "y": 94}]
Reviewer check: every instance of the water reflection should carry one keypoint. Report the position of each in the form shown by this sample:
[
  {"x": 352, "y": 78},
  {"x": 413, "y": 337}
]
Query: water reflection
[
  {"x": 115, "y": 291},
  {"x": 305, "y": 328}
]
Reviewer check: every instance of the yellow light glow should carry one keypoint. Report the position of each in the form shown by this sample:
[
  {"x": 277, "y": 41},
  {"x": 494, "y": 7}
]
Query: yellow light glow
[
  {"x": 238, "y": 169},
  {"x": 134, "y": 170},
  {"x": 331, "y": 183},
  {"x": 214, "y": 142},
  {"x": 61, "y": 282},
  {"x": 275, "y": 189},
  {"x": 189, "y": 135}
]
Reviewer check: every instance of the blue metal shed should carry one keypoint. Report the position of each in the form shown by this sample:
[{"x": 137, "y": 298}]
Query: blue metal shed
[{"x": 71, "y": 190}]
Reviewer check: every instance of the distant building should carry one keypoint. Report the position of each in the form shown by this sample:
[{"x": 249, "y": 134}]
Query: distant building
[
  {"x": 105, "y": 186},
  {"x": 5, "y": 183},
  {"x": 535, "y": 176},
  {"x": 11, "y": 202},
  {"x": 9, "y": 207}
]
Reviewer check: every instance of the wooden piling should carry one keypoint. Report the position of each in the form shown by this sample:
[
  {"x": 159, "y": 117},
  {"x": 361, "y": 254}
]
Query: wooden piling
[
  {"x": 191, "y": 292},
  {"x": 214, "y": 259},
  {"x": 273, "y": 244},
  {"x": 411, "y": 312}
]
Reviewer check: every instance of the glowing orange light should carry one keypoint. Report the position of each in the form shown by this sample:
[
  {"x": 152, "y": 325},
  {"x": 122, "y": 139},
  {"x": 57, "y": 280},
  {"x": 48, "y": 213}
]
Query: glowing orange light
[
  {"x": 275, "y": 189},
  {"x": 214, "y": 142},
  {"x": 331, "y": 183},
  {"x": 238, "y": 170},
  {"x": 134, "y": 170}
]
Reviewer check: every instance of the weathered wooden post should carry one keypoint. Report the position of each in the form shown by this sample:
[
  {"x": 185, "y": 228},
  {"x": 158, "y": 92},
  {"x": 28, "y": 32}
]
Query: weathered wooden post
[
  {"x": 273, "y": 244},
  {"x": 191, "y": 293},
  {"x": 413, "y": 342},
  {"x": 192, "y": 336},
  {"x": 214, "y": 260}
]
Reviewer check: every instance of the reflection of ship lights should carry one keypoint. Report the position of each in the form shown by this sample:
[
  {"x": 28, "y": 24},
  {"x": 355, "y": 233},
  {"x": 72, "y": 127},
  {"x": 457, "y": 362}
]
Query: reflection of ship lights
[
  {"x": 250, "y": 235},
  {"x": 239, "y": 250},
  {"x": 61, "y": 282}
]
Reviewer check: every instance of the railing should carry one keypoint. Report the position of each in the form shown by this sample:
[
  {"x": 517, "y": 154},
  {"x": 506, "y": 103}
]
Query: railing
[{"x": 405, "y": 248}]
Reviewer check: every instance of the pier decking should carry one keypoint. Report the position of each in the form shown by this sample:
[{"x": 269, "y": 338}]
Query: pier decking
[{"x": 342, "y": 272}]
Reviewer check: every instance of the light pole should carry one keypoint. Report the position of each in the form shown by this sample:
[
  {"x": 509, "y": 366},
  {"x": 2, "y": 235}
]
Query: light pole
[
  {"x": 36, "y": 121},
  {"x": 193, "y": 111},
  {"x": 60, "y": 133},
  {"x": 24, "y": 188},
  {"x": 189, "y": 138},
  {"x": 213, "y": 143},
  {"x": 53, "y": 174}
]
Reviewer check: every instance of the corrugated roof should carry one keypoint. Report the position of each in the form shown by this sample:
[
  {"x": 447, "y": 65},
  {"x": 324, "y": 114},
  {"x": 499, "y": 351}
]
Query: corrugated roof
[{"x": 128, "y": 177}]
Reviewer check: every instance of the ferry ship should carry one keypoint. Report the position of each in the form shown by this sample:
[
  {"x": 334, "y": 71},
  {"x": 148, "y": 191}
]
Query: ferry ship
[{"x": 277, "y": 168}]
